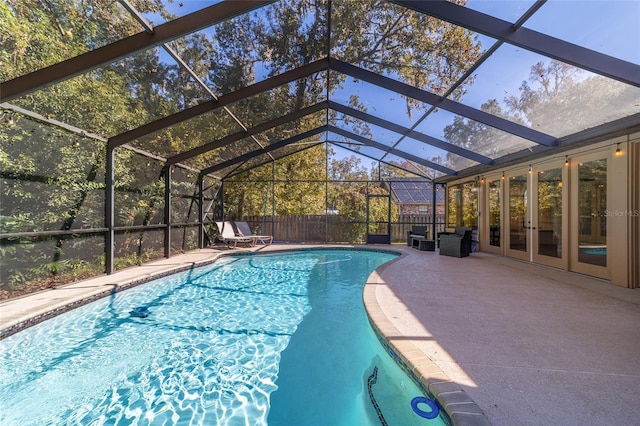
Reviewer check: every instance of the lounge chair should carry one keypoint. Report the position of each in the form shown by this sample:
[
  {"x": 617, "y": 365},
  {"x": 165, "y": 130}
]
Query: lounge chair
[
  {"x": 245, "y": 231},
  {"x": 228, "y": 235},
  {"x": 457, "y": 244}
]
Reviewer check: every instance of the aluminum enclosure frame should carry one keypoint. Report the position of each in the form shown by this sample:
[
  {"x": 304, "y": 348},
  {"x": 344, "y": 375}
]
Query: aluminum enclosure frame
[{"x": 503, "y": 31}]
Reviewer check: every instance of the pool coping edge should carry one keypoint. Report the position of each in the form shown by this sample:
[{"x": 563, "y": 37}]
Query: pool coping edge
[
  {"x": 450, "y": 396},
  {"x": 97, "y": 293}
]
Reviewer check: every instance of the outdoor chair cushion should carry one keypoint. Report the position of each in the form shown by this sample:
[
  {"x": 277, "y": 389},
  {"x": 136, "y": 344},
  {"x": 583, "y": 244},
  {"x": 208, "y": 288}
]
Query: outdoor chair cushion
[
  {"x": 245, "y": 230},
  {"x": 228, "y": 235}
]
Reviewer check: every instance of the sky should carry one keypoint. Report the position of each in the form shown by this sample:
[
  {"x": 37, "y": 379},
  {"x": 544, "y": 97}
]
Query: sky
[{"x": 608, "y": 26}]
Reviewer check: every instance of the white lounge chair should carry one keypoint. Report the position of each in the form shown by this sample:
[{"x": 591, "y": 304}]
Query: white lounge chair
[
  {"x": 245, "y": 231},
  {"x": 228, "y": 235}
]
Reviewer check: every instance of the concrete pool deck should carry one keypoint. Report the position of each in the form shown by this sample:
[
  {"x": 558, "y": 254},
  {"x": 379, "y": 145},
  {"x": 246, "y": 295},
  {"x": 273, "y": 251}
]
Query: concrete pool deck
[
  {"x": 501, "y": 341},
  {"x": 529, "y": 345}
]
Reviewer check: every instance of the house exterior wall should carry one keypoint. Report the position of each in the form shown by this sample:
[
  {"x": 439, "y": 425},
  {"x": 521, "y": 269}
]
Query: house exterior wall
[
  {"x": 418, "y": 209},
  {"x": 622, "y": 215}
]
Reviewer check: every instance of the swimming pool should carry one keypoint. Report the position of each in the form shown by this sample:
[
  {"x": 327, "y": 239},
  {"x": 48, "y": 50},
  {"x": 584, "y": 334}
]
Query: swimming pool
[{"x": 274, "y": 339}]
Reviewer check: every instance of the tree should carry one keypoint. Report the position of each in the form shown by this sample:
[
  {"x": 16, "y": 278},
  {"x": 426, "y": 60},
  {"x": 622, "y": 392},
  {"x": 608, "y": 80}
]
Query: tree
[
  {"x": 146, "y": 86},
  {"x": 392, "y": 40},
  {"x": 560, "y": 99},
  {"x": 557, "y": 99},
  {"x": 53, "y": 179}
]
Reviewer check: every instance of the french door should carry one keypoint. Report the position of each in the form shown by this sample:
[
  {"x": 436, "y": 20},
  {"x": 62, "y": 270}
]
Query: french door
[
  {"x": 589, "y": 254},
  {"x": 536, "y": 228},
  {"x": 518, "y": 206},
  {"x": 492, "y": 240},
  {"x": 549, "y": 224}
]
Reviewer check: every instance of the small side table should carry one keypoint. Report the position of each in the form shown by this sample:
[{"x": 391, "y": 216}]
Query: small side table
[{"x": 422, "y": 244}]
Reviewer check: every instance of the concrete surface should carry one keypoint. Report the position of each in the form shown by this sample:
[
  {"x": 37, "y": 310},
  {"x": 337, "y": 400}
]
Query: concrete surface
[{"x": 530, "y": 345}]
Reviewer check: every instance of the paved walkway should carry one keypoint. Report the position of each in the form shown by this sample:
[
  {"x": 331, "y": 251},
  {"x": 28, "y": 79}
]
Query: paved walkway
[{"x": 508, "y": 342}]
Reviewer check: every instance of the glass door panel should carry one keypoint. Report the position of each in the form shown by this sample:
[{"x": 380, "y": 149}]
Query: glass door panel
[
  {"x": 454, "y": 206},
  {"x": 519, "y": 220},
  {"x": 470, "y": 205},
  {"x": 547, "y": 228},
  {"x": 592, "y": 206},
  {"x": 495, "y": 209},
  {"x": 589, "y": 250}
]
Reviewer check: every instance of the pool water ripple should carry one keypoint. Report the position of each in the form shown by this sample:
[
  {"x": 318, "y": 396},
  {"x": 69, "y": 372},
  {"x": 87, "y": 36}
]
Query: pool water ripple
[{"x": 210, "y": 351}]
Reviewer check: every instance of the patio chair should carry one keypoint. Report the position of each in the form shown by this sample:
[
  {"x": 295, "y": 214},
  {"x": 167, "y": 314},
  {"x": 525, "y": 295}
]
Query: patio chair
[
  {"x": 228, "y": 235},
  {"x": 245, "y": 231},
  {"x": 457, "y": 244},
  {"x": 419, "y": 230}
]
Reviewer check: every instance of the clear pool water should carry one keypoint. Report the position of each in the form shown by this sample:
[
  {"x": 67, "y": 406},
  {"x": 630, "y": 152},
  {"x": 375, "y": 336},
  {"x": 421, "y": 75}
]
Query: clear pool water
[
  {"x": 278, "y": 339},
  {"x": 598, "y": 251}
]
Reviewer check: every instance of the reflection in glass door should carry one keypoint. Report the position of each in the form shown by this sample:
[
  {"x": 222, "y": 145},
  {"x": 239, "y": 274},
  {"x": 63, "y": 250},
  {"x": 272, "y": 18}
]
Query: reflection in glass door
[
  {"x": 592, "y": 206},
  {"x": 589, "y": 248},
  {"x": 547, "y": 228},
  {"x": 519, "y": 221}
]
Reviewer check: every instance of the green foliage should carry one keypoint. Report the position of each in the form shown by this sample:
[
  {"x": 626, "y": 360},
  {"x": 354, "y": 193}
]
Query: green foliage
[
  {"x": 463, "y": 205},
  {"x": 53, "y": 180},
  {"x": 9, "y": 247}
]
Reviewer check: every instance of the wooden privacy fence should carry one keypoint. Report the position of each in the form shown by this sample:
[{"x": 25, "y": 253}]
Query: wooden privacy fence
[
  {"x": 333, "y": 228},
  {"x": 405, "y": 222}
]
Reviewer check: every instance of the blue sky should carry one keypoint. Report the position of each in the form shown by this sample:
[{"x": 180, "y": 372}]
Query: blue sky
[{"x": 608, "y": 26}]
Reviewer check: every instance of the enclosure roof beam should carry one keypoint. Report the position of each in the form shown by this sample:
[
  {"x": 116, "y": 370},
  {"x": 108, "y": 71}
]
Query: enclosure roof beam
[
  {"x": 223, "y": 100},
  {"x": 238, "y": 170},
  {"x": 439, "y": 102},
  {"x": 454, "y": 149},
  {"x": 390, "y": 150},
  {"x": 249, "y": 132},
  {"x": 474, "y": 67},
  {"x": 272, "y": 147},
  {"x": 148, "y": 26},
  {"x": 143, "y": 40},
  {"x": 534, "y": 41},
  {"x": 339, "y": 144},
  {"x": 413, "y": 172},
  {"x": 621, "y": 127}
]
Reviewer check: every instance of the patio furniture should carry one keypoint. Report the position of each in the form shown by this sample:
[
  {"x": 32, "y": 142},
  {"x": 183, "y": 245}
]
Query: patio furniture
[
  {"x": 245, "y": 231},
  {"x": 416, "y": 230},
  {"x": 441, "y": 233},
  {"x": 422, "y": 244},
  {"x": 228, "y": 235},
  {"x": 457, "y": 244}
]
